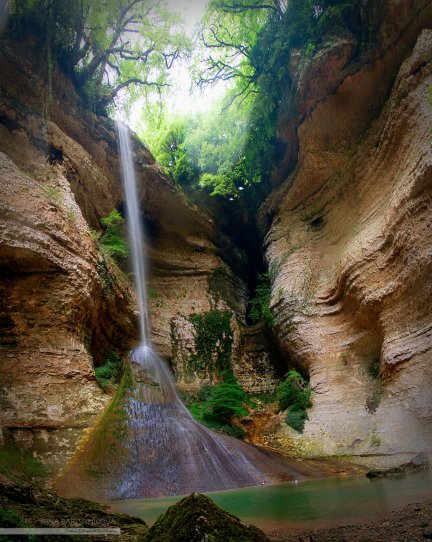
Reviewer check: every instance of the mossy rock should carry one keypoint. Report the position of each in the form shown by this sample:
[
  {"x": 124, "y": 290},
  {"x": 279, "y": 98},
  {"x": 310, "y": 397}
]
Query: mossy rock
[
  {"x": 196, "y": 518},
  {"x": 25, "y": 505}
]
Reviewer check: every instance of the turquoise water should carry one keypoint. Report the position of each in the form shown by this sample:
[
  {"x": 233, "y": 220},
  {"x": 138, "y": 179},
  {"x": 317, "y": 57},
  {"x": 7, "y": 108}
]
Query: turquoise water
[{"x": 326, "y": 502}]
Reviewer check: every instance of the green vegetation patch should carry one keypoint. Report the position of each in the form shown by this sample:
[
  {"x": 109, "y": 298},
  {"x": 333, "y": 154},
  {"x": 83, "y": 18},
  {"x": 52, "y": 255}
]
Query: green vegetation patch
[
  {"x": 108, "y": 279},
  {"x": 25, "y": 506},
  {"x": 19, "y": 465},
  {"x": 295, "y": 396},
  {"x": 213, "y": 344},
  {"x": 106, "y": 448},
  {"x": 113, "y": 240},
  {"x": 9, "y": 518},
  {"x": 218, "y": 407},
  {"x": 110, "y": 372},
  {"x": 260, "y": 303},
  {"x": 376, "y": 385},
  {"x": 218, "y": 286},
  {"x": 89, "y": 36}
]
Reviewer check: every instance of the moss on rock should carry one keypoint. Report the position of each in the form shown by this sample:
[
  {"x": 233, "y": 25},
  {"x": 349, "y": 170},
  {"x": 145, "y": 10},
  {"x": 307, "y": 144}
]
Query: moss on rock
[
  {"x": 25, "y": 505},
  {"x": 196, "y": 518},
  {"x": 213, "y": 344}
]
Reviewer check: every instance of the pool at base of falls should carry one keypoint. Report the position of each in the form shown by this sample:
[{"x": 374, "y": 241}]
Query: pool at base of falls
[{"x": 322, "y": 503}]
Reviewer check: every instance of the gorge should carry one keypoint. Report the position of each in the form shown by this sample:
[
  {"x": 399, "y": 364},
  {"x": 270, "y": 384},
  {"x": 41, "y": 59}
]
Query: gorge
[{"x": 340, "y": 228}]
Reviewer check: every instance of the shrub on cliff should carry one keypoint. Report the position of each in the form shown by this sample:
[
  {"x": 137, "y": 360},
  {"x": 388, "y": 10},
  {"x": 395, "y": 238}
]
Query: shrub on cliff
[
  {"x": 213, "y": 343},
  {"x": 113, "y": 241},
  {"x": 110, "y": 372},
  {"x": 260, "y": 303},
  {"x": 294, "y": 395},
  {"x": 226, "y": 400},
  {"x": 217, "y": 406}
]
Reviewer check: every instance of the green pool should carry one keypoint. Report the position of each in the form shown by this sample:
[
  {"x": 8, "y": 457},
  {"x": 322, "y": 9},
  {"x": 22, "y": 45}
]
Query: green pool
[{"x": 326, "y": 502}]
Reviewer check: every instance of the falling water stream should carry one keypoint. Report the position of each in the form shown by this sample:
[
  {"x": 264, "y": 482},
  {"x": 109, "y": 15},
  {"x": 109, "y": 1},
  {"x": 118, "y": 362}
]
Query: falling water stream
[{"x": 171, "y": 449}]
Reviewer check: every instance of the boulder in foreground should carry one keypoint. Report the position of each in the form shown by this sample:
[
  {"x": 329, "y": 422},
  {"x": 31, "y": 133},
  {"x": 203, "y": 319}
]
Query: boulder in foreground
[{"x": 196, "y": 518}]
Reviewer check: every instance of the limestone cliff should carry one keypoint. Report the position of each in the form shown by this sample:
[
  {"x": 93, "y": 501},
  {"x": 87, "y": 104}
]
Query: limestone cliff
[{"x": 349, "y": 241}]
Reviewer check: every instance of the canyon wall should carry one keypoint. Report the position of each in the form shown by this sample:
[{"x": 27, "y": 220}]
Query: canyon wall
[{"x": 348, "y": 236}]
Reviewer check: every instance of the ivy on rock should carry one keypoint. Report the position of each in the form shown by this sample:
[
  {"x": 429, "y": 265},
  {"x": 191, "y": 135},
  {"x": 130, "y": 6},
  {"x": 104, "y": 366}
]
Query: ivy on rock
[{"x": 213, "y": 343}]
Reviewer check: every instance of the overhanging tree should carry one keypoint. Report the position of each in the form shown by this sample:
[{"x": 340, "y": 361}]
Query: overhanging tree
[
  {"x": 228, "y": 34},
  {"x": 109, "y": 46},
  {"x": 132, "y": 45}
]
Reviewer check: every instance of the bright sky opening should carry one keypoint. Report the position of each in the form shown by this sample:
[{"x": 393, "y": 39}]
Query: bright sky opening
[{"x": 180, "y": 97}]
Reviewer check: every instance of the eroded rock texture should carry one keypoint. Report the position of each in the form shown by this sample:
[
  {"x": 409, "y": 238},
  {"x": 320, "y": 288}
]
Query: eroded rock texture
[{"x": 350, "y": 240}]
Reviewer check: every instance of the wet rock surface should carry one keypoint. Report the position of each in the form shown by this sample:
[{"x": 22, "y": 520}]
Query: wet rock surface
[
  {"x": 418, "y": 462},
  {"x": 29, "y": 506}
]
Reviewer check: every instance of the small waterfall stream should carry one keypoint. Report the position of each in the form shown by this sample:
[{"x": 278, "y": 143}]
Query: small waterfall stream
[
  {"x": 136, "y": 233},
  {"x": 171, "y": 450}
]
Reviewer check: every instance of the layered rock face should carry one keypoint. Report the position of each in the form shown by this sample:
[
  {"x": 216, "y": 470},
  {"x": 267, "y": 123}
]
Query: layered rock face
[
  {"x": 348, "y": 238},
  {"x": 350, "y": 241},
  {"x": 63, "y": 304}
]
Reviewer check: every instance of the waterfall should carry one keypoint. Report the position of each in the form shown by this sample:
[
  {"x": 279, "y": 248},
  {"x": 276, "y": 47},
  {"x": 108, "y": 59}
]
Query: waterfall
[
  {"x": 136, "y": 233},
  {"x": 147, "y": 444},
  {"x": 169, "y": 452}
]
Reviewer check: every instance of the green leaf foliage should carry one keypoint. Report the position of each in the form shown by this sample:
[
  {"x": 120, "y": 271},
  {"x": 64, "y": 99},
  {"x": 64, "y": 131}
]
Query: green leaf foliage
[
  {"x": 227, "y": 400},
  {"x": 107, "y": 46},
  {"x": 249, "y": 45},
  {"x": 295, "y": 396},
  {"x": 296, "y": 419},
  {"x": 217, "y": 407},
  {"x": 9, "y": 518},
  {"x": 113, "y": 241},
  {"x": 213, "y": 343},
  {"x": 110, "y": 372},
  {"x": 260, "y": 303},
  {"x": 294, "y": 391}
]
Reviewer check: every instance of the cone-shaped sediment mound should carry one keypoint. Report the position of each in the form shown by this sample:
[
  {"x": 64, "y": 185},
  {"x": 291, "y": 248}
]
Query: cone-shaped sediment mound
[{"x": 149, "y": 445}]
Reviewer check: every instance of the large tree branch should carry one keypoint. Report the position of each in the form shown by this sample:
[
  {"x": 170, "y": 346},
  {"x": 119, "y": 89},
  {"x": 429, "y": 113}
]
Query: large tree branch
[
  {"x": 222, "y": 43},
  {"x": 245, "y": 92},
  {"x": 170, "y": 58},
  {"x": 104, "y": 100},
  {"x": 278, "y": 6},
  {"x": 236, "y": 7},
  {"x": 99, "y": 59}
]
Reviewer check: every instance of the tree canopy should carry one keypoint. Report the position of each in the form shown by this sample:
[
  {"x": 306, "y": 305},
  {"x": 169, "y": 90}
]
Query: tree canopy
[
  {"x": 200, "y": 150},
  {"x": 123, "y": 50},
  {"x": 108, "y": 46},
  {"x": 247, "y": 43}
]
